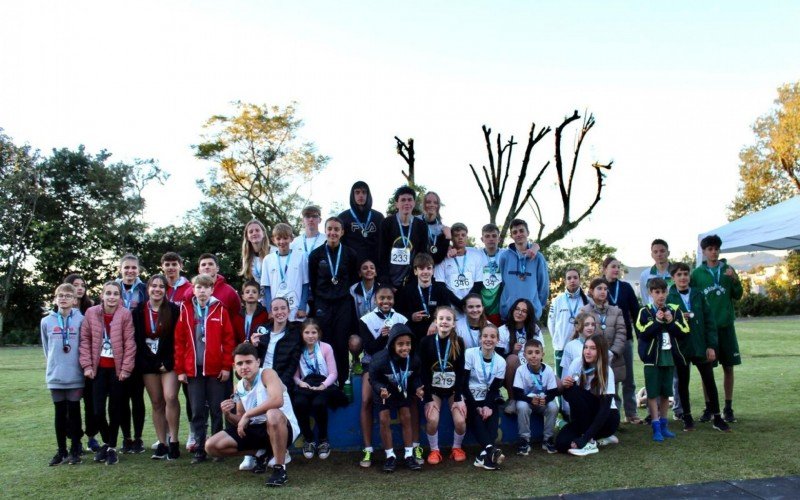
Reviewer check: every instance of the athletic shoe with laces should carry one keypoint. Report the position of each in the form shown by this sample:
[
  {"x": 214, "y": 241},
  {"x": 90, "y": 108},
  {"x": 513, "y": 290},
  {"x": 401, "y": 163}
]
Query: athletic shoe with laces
[
  {"x": 248, "y": 463},
  {"x": 688, "y": 422},
  {"x": 435, "y": 457},
  {"x": 523, "y": 447},
  {"x": 191, "y": 443},
  {"x": 720, "y": 424},
  {"x": 479, "y": 460},
  {"x": 93, "y": 445},
  {"x": 549, "y": 446},
  {"x": 588, "y": 449},
  {"x": 489, "y": 461},
  {"x": 278, "y": 477},
  {"x": 458, "y": 454},
  {"x": 677, "y": 416},
  {"x": 100, "y": 455},
  {"x": 59, "y": 458},
  {"x": 324, "y": 450},
  {"x": 154, "y": 446},
  {"x": 411, "y": 464},
  {"x": 174, "y": 451},
  {"x": 199, "y": 457},
  {"x": 74, "y": 457},
  {"x": 366, "y": 458},
  {"x": 127, "y": 445},
  {"x": 417, "y": 454},
  {"x": 728, "y": 415},
  {"x": 309, "y": 449},
  {"x": 705, "y": 417},
  {"x": 497, "y": 456},
  {"x": 389, "y": 465},
  {"x": 612, "y": 439},
  {"x": 137, "y": 446},
  {"x": 111, "y": 457},
  {"x": 261, "y": 465},
  {"x": 161, "y": 452}
]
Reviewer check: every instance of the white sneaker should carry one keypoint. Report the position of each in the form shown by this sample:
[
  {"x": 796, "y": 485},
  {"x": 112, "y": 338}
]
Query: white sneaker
[
  {"x": 249, "y": 463},
  {"x": 191, "y": 443},
  {"x": 287, "y": 460},
  {"x": 154, "y": 446},
  {"x": 591, "y": 447},
  {"x": 612, "y": 439}
]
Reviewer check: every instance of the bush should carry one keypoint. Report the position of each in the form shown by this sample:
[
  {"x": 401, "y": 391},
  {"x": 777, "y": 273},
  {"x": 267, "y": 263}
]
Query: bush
[{"x": 753, "y": 305}]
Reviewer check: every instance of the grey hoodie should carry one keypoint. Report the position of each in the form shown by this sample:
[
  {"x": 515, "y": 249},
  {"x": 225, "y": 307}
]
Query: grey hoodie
[{"x": 63, "y": 368}]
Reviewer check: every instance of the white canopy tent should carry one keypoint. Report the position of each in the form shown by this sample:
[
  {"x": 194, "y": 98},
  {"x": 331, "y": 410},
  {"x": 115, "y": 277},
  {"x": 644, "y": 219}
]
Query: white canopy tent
[{"x": 774, "y": 228}]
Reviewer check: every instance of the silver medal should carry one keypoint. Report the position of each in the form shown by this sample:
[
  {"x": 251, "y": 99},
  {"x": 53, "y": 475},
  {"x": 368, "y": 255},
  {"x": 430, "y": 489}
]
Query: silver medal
[
  {"x": 572, "y": 321},
  {"x": 433, "y": 249},
  {"x": 719, "y": 292},
  {"x": 283, "y": 285},
  {"x": 602, "y": 327},
  {"x": 335, "y": 280},
  {"x": 387, "y": 322},
  {"x": 364, "y": 233}
]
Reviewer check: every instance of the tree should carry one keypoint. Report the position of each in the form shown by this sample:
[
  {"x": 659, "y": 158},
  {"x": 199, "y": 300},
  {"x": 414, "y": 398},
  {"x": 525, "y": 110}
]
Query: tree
[
  {"x": 494, "y": 182},
  {"x": 261, "y": 162},
  {"x": 587, "y": 258},
  {"x": 769, "y": 169}
]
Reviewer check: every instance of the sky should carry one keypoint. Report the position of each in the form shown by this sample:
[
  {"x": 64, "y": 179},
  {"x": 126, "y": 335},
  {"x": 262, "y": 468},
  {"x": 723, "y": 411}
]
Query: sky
[{"x": 674, "y": 88}]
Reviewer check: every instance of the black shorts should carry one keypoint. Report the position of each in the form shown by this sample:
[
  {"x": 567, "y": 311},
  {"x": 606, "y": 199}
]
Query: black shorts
[
  {"x": 393, "y": 402},
  {"x": 256, "y": 437}
]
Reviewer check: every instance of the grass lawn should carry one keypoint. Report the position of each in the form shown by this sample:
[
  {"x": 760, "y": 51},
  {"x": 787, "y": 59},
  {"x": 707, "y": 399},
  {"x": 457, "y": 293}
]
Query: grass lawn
[{"x": 763, "y": 444}]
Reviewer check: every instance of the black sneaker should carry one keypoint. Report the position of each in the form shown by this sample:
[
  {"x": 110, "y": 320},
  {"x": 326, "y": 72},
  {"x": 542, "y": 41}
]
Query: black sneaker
[
  {"x": 199, "y": 457},
  {"x": 137, "y": 446},
  {"x": 127, "y": 445},
  {"x": 101, "y": 454},
  {"x": 720, "y": 424},
  {"x": 93, "y": 444},
  {"x": 489, "y": 462},
  {"x": 389, "y": 464},
  {"x": 411, "y": 463},
  {"x": 261, "y": 464},
  {"x": 174, "y": 452},
  {"x": 705, "y": 417},
  {"x": 278, "y": 477},
  {"x": 111, "y": 457},
  {"x": 59, "y": 458},
  {"x": 74, "y": 458},
  {"x": 648, "y": 420},
  {"x": 162, "y": 452},
  {"x": 727, "y": 414},
  {"x": 688, "y": 422},
  {"x": 523, "y": 448}
]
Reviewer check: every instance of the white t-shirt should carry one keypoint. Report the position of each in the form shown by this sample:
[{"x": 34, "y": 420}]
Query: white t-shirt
[
  {"x": 575, "y": 371},
  {"x": 491, "y": 276},
  {"x": 273, "y": 340},
  {"x": 460, "y": 273},
  {"x": 258, "y": 394},
  {"x": 290, "y": 285},
  {"x": 507, "y": 341},
  {"x": 307, "y": 245},
  {"x": 470, "y": 337},
  {"x": 481, "y": 373},
  {"x": 531, "y": 383}
]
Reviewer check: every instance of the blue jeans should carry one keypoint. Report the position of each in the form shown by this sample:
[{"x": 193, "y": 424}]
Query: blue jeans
[{"x": 629, "y": 385}]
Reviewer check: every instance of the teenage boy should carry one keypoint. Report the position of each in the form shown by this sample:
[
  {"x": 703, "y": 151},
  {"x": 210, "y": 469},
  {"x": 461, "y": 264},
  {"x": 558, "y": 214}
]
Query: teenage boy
[
  {"x": 698, "y": 348},
  {"x": 419, "y": 299},
  {"x": 204, "y": 343},
  {"x": 535, "y": 390},
  {"x": 361, "y": 223},
  {"x": 492, "y": 278},
  {"x": 178, "y": 287},
  {"x": 311, "y": 238},
  {"x": 462, "y": 272},
  {"x": 134, "y": 291},
  {"x": 402, "y": 237},
  {"x": 285, "y": 274},
  {"x": 259, "y": 415},
  {"x": 523, "y": 276},
  {"x": 659, "y": 251},
  {"x": 720, "y": 284},
  {"x": 658, "y": 327},
  {"x": 252, "y": 316}
]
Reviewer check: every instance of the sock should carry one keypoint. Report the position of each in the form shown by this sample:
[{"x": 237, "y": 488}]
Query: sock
[
  {"x": 415, "y": 444},
  {"x": 390, "y": 453},
  {"x": 409, "y": 451},
  {"x": 433, "y": 440},
  {"x": 261, "y": 453},
  {"x": 368, "y": 448},
  {"x": 728, "y": 403},
  {"x": 458, "y": 439}
]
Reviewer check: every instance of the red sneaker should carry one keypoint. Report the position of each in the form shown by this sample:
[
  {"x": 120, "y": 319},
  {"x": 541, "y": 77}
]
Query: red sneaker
[
  {"x": 434, "y": 457},
  {"x": 458, "y": 455}
]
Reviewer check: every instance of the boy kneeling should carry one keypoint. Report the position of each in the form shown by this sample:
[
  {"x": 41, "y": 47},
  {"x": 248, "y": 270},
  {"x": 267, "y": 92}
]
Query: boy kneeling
[{"x": 263, "y": 415}]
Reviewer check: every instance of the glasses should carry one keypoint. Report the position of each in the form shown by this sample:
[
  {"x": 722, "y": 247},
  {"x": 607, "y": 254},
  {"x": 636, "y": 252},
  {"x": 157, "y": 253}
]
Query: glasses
[{"x": 65, "y": 296}]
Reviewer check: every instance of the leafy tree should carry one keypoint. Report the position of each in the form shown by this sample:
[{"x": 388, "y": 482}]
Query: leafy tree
[
  {"x": 769, "y": 169},
  {"x": 587, "y": 258}
]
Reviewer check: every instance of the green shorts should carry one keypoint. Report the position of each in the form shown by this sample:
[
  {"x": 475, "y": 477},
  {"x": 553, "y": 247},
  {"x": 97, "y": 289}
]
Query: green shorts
[
  {"x": 658, "y": 381},
  {"x": 728, "y": 351}
]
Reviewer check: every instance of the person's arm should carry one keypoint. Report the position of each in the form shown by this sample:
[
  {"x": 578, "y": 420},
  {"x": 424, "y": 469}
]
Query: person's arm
[
  {"x": 45, "y": 336},
  {"x": 468, "y": 397},
  {"x": 313, "y": 276},
  {"x": 330, "y": 362},
  {"x": 274, "y": 400},
  {"x": 129, "y": 346},
  {"x": 647, "y": 328},
  {"x": 550, "y": 394},
  {"x": 179, "y": 353},
  {"x": 493, "y": 394},
  {"x": 709, "y": 325},
  {"x": 551, "y": 317},
  {"x": 228, "y": 341},
  {"x": 376, "y": 377},
  {"x": 542, "y": 281},
  {"x": 458, "y": 368},
  {"x": 518, "y": 390},
  {"x": 266, "y": 296},
  {"x": 737, "y": 290},
  {"x": 620, "y": 337}
]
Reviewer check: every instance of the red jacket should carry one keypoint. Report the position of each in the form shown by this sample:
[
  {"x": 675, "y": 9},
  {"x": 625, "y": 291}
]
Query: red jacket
[
  {"x": 260, "y": 318},
  {"x": 184, "y": 292},
  {"x": 222, "y": 292},
  {"x": 123, "y": 343},
  {"x": 219, "y": 341}
]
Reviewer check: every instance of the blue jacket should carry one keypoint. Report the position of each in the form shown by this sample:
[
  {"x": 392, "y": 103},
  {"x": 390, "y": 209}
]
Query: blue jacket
[{"x": 533, "y": 285}]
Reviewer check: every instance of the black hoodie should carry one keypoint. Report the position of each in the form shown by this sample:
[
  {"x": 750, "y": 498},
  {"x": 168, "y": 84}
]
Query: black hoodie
[
  {"x": 381, "y": 375},
  {"x": 366, "y": 247}
]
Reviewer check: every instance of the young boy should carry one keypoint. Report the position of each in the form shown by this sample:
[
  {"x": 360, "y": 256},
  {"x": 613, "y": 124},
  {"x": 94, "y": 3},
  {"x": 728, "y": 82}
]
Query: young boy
[
  {"x": 178, "y": 286},
  {"x": 259, "y": 415},
  {"x": 361, "y": 223},
  {"x": 204, "y": 343},
  {"x": 252, "y": 316},
  {"x": 535, "y": 390},
  {"x": 418, "y": 300},
  {"x": 658, "y": 327},
  {"x": 523, "y": 276},
  {"x": 721, "y": 286},
  {"x": 285, "y": 274},
  {"x": 395, "y": 378},
  {"x": 311, "y": 238},
  {"x": 659, "y": 251},
  {"x": 698, "y": 348},
  {"x": 60, "y": 337},
  {"x": 463, "y": 272}
]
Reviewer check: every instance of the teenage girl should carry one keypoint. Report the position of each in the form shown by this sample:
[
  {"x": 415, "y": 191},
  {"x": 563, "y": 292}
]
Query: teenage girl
[
  {"x": 255, "y": 246},
  {"x": 82, "y": 300},
  {"x": 609, "y": 324},
  {"x": 363, "y": 294},
  {"x": 107, "y": 355},
  {"x": 563, "y": 311},
  {"x": 154, "y": 325},
  {"x": 438, "y": 233},
  {"x": 583, "y": 328},
  {"x": 469, "y": 326},
  {"x": 442, "y": 361},
  {"x": 520, "y": 327}
]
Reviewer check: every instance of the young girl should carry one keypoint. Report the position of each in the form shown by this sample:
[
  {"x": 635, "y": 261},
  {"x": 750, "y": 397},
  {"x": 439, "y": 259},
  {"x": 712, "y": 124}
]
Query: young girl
[
  {"x": 374, "y": 330},
  {"x": 486, "y": 375},
  {"x": 589, "y": 390},
  {"x": 584, "y": 327},
  {"x": 315, "y": 375},
  {"x": 442, "y": 364},
  {"x": 469, "y": 326},
  {"x": 154, "y": 326},
  {"x": 563, "y": 312},
  {"x": 520, "y": 327},
  {"x": 363, "y": 294},
  {"x": 60, "y": 339},
  {"x": 609, "y": 324},
  {"x": 107, "y": 355},
  {"x": 82, "y": 301},
  {"x": 621, "y": 294},
  {"x": 255, "y": 247}
]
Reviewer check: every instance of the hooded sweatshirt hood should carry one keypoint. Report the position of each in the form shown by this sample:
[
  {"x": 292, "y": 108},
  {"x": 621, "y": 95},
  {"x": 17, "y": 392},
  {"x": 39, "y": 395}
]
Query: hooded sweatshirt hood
[
  {"x": 361, "y": 211},
  {"x": 398, "y": 330}
]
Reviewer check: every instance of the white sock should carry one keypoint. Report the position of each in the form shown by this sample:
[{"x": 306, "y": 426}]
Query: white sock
[
  {"x": 368, "y": 448},
  {"x": 458, "y": 439},
  {"x": 409, "y": 451},
  {"x": 390, "y": 453},
  {"x": 261, "y": 453},
  {"x": 433, "y": 440}
]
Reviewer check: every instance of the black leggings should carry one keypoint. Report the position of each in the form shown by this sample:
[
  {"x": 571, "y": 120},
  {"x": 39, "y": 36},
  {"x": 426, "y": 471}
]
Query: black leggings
[
  {"x": 334, "y": 318},
  {"x": 309, "y": 404},
  {"x": 88, "y": 408},
  {"x": 583, "y": 409},
  {"x": 68, "y": 424},
  {"x": 683, "y": 371},
  {"x": 485, "y": 431},
  {"x": 133, "y": 406},
  {"x": 107, "y": 389}
]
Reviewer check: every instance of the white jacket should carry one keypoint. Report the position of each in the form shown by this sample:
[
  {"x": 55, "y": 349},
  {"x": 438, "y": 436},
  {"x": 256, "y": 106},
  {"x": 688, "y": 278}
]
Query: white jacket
[{"x": 558, "y": 319}]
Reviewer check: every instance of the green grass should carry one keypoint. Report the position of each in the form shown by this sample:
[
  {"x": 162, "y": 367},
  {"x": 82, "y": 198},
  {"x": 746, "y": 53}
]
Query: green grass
[{"x": 763, "y": 444}]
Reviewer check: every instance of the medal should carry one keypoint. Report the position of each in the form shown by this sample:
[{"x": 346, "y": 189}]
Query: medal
[
  {"x": 107, "y": 345},
  {"x": 387, "y": 322},
  {"x": 433, "y": 249},
  {"x": 690, "y": 314},
  {"x": 335, "y": 280},
  {"x": 572, "y": 321},
  {"x": 719, "y": 292},
  {"x": 282, "y": 286},
  {"x": 521, "y": 277},
  {"x": 334, "y": 269},
  {"x": 365, "y": 226},
  {"x": 67, "y": 347},
  {"x": 364, "y": 233},
  {"x": 602, "y": 327}
]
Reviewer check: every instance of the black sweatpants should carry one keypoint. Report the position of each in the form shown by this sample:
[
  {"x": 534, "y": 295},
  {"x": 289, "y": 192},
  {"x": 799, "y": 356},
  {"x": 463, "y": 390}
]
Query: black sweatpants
[
  {"x": 335, "y": 319},
  {"x": 133, "y": 408},
  {"x": 583, "y": 409},
  {"x": 683, "y": 371},
  {"x": 309, "y": 404},
  {"x": 108, "y": 390},
  {"x": 484, "y": 431},
  {"x": 88, "y": 408}
]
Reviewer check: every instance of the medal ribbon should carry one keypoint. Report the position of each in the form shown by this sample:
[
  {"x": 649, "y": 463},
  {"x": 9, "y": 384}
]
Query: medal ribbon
[
  {"x": 366, "y": 224},
  {"x": 613, "y": 298},
  {"x": 64, "y": 325},
  {"x": 402, "y": 378},
  {"x": 313, "y": 245},
  {"x": 283, "y": 269},
  {"x": 442, "y": 360},
  {"x": 422, "y": 298},
  {"x": 153, "y": 325},
  {"x": 486, "y": 379},
  {"x": 307, "y": 358},
  {"x": 334, "y": 270},
  {"x": 405, "y": 239},
  {"x": 537, "y": 380}
]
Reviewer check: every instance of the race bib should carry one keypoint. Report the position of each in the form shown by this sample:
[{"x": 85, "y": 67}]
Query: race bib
[
  {"x": 400, "y": 256},
  {"x": 491, "y": 280},
  {"x": 106, "y": 351},
  {"x": 152, "y": 344},
  {"x": 460, "y": 282},
  {"x": 444, "y": 380},
  {"x": 478, "y": 392},
  {"x": 665, "y": 343},
  {"x": 290, "y": 297}
]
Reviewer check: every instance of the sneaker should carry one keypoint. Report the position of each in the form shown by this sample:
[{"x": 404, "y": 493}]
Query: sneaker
[
  {"x": 523, "y": 447},
  {"x": 111, "y": 457},
  {"x": 458, "y": 455},
  {"x": 417, "y": 454},
  {"x": 324, "y": 450},
  {"x": 174, "y": 451},
  {"x": 705, "y": 417},
  {"x": 260, "y": 466},
  {"x": 657, "y": 436},
  {"x": 191, "y": 443},
  {"x": 549, "y": 446},
  {"x": 137, "y": 446},
  {"x": 612, "y": 439},
  {"x": 665, "y": 429},
  {"x": 510, "y": 408},
  {"x": 366, "y": 458},
  {"x": 93, "y": 445},
  {"x": 199, "y": 457},
  {"x": 154, "y": 446},
  {"x": 435, "y": 457},
  {"x": 590, "y": 448},
  {"x": 74, "y": 457},
  {"x": 127, "y": 445},
  {"x": 278, "y": 477},
  {"x": 720, "y": 424},
  {"x": 100, "y": 455},
  {"x": 59, "y": 458},
  {"x": 248, "y": 463},
  {"x": 309, "y": 449},
  {"x": 479, "y": 460},
  {"x": 411, "y": 464},
  {"x": 688, "y": 423},
  {"x": 677, "y": 416},
  {"x": 161, "y": 452},
  {"x": 389, "y": 465},
  {"x": 728, "y": 415},
  {"x": 634, "y": 420},
  {"x": 498, "y": 457},
  {"x": 489, "y": 462}
]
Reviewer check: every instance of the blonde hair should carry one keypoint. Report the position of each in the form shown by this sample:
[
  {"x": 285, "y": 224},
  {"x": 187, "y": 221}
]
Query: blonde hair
[
  {"x": 203, "y": 280},
  {"x": 249, "y": 253},
  {"x": 580, "y": 319},
  {"x": 65, "y": 287},
  {"x": 282, "y": 229},
  {"x": 455, "y": 350}
]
